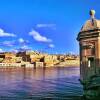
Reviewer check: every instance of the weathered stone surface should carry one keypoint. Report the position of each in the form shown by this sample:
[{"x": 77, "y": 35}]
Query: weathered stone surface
[{"x": 89, "y": 42}]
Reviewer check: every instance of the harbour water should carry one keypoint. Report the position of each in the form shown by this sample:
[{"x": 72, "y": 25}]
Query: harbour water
[{"x": 59, "y": 83}]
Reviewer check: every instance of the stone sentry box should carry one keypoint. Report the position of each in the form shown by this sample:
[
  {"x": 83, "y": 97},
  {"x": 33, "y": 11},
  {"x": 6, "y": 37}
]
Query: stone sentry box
[{"x": 89, "y": 44}]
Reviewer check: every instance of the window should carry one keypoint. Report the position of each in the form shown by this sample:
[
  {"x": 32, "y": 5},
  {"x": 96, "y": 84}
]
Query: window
[{"x": 91, "y": 62}]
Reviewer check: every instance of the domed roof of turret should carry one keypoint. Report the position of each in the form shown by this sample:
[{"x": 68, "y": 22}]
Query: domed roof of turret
[{"x": 92, "y": 23}]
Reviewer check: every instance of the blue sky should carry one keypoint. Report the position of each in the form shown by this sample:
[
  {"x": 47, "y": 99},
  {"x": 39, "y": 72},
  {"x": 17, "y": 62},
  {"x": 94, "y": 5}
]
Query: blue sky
[{"x": 46, "y": 25}]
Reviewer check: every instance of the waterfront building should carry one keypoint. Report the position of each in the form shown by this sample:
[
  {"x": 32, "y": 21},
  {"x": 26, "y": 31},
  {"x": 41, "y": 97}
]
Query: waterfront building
[
  {"x": 89, "y": 43},
  {"x": 24, "y": 55},
  {"x": 18, "y": 59},
  {"x": 3, "y": 65},
  {"x": 36, "y": 57},
  {"x": 29, "y": 65},
  {"x": 9, "y": 55},
  {"x": 61, "y": 58},
  {"x": 2, "y": 55},
  {"x": 38, "y": 64},
  {"x": 49, "y": 60}
]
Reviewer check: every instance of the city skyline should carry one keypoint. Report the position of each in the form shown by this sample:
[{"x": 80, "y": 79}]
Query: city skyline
[{"x": 44, "y": 25}]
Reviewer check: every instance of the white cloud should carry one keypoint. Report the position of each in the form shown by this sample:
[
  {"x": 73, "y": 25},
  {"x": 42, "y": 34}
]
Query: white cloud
[
  {"x": 4, "y": 34},
  {"x": 1, "y": 50},
  {"x": 51, "y": 26},
  {"x": 7, "y": 43},
  {"x": 38, "y": 37},
  {"x": 21, "y": 40},
  {"x": 25, "y": 47},
  {"x": 51, "y": 45},
  {"x": 46, "y": 25}
]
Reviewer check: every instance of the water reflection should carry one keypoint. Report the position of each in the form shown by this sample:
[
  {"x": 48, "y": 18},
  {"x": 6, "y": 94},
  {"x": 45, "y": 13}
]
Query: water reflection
[{"x": 40, "y": 84}]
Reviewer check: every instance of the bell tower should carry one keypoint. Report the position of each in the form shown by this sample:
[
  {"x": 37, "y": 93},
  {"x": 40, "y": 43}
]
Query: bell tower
[{"x": 89, "y": 44}]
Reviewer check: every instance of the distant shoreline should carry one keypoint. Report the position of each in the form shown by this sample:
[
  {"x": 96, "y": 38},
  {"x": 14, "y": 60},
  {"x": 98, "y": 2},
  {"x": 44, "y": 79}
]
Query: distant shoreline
[
  {"x": 69, "y": 63},
  {"x": 39, "y": 67},
  {"x": 67, "y": 66}
]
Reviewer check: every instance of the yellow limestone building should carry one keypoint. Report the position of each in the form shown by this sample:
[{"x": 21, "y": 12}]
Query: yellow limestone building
[{"x": 89, "y": 44}]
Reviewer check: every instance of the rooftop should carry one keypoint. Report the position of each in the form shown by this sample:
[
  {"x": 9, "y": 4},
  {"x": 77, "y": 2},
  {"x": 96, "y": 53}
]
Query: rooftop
[{"x": 91, "y": 24}]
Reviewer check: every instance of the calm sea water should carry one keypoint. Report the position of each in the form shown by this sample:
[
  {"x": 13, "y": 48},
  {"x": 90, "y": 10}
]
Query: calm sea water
[{"x": 40, "y": 84}]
